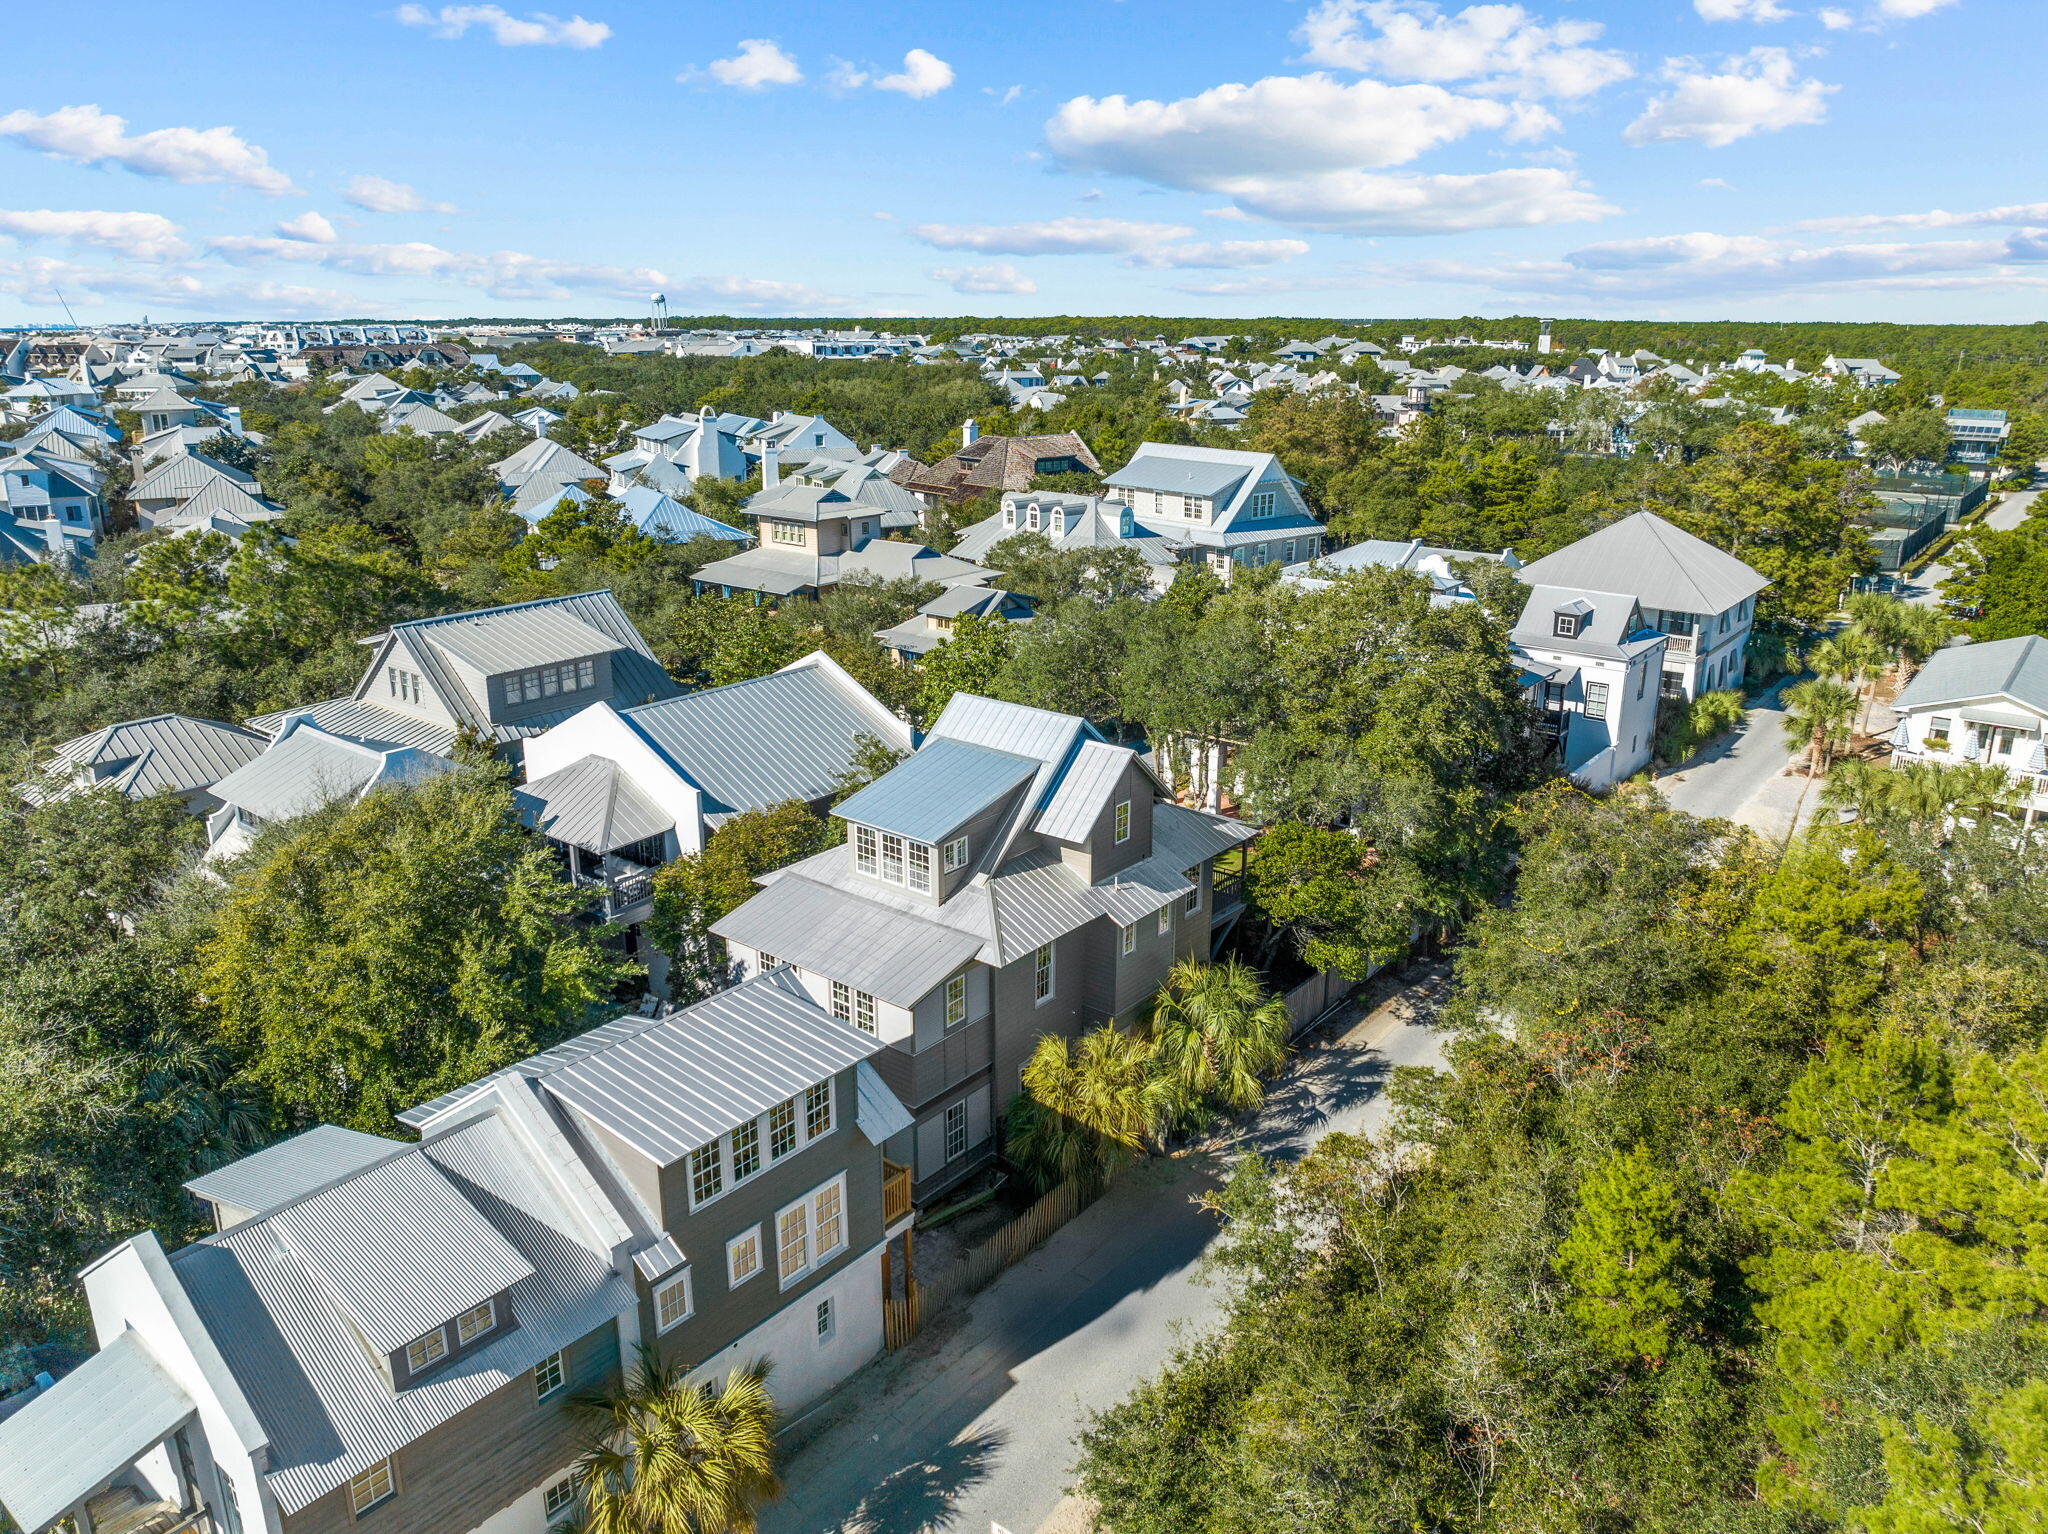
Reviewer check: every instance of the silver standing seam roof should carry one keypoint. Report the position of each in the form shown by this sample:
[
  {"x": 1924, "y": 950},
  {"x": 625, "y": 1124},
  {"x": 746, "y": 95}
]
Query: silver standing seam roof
[
  {"x": 163, "y": 753},
  {"x": 770, "y": 739},
  {"x": 592, "y": 803},
  {"x": 289, "y": 1170},
  {"x": 97, "y": 1420},
  {"x": 938, "y": 790},
  {"x": 2013, "y": 668},
  {"x": 887, "y": 952},
  {"x": 1660, "y": 565},
  {"x": 1070, "y": 814}
]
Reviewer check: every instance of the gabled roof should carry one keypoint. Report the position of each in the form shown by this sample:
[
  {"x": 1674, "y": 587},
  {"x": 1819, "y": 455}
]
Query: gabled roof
[
  {"x": 1084, "y": 791},
  {"x": 1662, "y": 566},
  {"x": 185, "y": 476},
  {"x": 938, "y": 789},
  {"x": 789, "y": 735},
  {"x": 283, "y": 1173},
  {"x": 662, "y": 516},
  {"x": 308, "y": 768},
  {"x": 1610, "y": 622},
  {"x": 163, "y": 753},
  {"x": 889, "y": 953},
  {"x": 2012, "y": 668},
  {"x": 667, "y": 1085}
]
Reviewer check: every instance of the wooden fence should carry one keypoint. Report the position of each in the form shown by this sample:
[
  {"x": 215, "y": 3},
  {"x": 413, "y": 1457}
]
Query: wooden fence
[{"x": 903, "y": 1315}]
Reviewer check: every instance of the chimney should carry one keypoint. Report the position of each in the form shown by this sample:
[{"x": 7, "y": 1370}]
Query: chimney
[
  {"x": 770, "y": 471},
  {"x": 969, "y": 432}
]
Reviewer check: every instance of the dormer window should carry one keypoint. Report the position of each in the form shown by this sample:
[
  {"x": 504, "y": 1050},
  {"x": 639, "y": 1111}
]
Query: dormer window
[
  {"x": 1262, "y": 503},
  {"x": 1565, "y": 625},
  {"x": 1123, "y": 820},
  {"x": 473, "y": 1323},
  {"x": 890, "y": 858},
  {"x": 427, "y": 1351},
  {"x": 1031, "y": 518},
  {"x": 1009, "y": 516},
  {"x": 1059, "y": 521},
  {"x": 956, "y": 854},
  {"x": 550, "y": 681}
]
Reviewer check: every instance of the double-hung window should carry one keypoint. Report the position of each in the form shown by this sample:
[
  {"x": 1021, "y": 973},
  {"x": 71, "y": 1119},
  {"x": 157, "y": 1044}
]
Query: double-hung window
[
  {"x": 559, "y": 1501},
  {"x": 1166, "y": 919},
  {"x": 864, "y": 850},
  {"x": 1193, "y": 902},
  {"x": 851, "y": 1006},
  {"x": 1262, "y": 503},
  {"x": 817, "y": 1110},
  {"x": 782, "y": 1129},
  {"x": 811, "y": 1231},
  {"x": 672, "y": 1303},
  {"x": 746, "y": 1150},
  {"x": 1123, "y": 820},
  {"x": 894, "y": 860},
  {"x": 743, "y": 1257},
  {"x": 547, "y": 1376},
  {"x": 920, "y": 867},
  {"x": 373, "y": 1486},
  {"x": 1130, "y": 938},
  {"x": 956, "y": 1001},
  {"x": 1596, "y": 700},
  {"x": 707, "y": 1173},
  {"x": 1041, "y": 974}
]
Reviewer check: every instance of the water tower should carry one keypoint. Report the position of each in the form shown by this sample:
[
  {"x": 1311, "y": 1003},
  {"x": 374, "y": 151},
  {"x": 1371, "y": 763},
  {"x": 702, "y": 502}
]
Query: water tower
[{"x": 660, "y": 303}]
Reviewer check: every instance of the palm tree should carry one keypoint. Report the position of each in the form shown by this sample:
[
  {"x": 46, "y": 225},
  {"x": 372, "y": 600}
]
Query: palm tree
[
  {"x": 1853, "y": 657},
  {"x": 1097, "y": 1099},
  {"x": 1217, "y": 1033},
  {"x": 1818, "y": 715},
  {"x": 671, "y": 1457},
  {"x": 1922, "y": 794},
  {"x": 1906, "y": 633}
]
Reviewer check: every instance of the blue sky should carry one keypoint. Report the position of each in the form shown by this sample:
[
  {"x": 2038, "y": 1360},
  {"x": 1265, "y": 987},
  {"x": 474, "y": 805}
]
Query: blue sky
[{"x": 1858, "y": 159}]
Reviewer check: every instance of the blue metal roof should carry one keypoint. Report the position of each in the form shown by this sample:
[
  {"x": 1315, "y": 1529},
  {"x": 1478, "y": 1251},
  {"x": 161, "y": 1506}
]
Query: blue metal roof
[{"x": 938, "y": 790}]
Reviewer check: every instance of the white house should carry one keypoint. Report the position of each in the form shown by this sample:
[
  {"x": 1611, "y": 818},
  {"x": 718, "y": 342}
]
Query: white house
[{"x": 1982, "y": 703}]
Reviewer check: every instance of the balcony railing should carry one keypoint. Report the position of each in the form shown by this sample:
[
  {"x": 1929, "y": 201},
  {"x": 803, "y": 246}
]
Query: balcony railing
[
  {"x": 621, "y": 886},
  {"x": 895, "y": 1193},
  {"x": 1678, "y": 644}
]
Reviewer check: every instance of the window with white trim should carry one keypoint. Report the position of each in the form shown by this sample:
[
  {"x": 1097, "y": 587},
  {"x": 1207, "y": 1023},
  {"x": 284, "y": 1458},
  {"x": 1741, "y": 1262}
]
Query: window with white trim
[
  {"x": 1565, "y": 625},
  {"x": 707, "y": 1173},
  {"x": 474, "y": 1322},
  {"x": 1130, "y": 938},
  {"x": 851, "y": 1006},
  {"x": 817, "y": 1110},
  {"x": 811, "y": 1231},
  {"x": 956, "y": 1131},
  {"x": 373, "y": 1486},
  {"x": 1165, "y": 919},
  {"x": 744, "y": 1148},
  {"x": 956, "y": 854},
  {"x": 427, "y": 1351},
  {"x": 864, "y": 850},
  {"x": 1123, "y": 820},
  {"x": 782, "y": 1128},
  {"x": 1262, "y": 503},
  {"x": 956, "y": 1001},
  {"x": 672, "y": 1302},
  {"x": 765, "y": 962},
  {"x": 1193, "y": 902},
  {"x": 1041, "y": 974},
  {"x": 559, "y": 1500},
  {"x": 547, "y": 1376},
  {"x": 786, "y": 532},
  {"x": 1596, "y": 700},
  {"x": 826, "y": 1320},
  {"x": 743, "y": 1257},
  {"x": 920, "y": 866}
]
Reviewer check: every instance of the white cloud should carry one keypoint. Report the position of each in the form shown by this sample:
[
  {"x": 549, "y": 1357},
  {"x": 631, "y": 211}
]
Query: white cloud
[
  {"x": 1740, "y": 10},
  {"x": 377, "y": 195},
  {"x": 308, "y": 226},
  {"x": 1501, "y": 48},
  {"x": 1753, "y": 92},
  {"x": 1717, "y": 182},
  {"x": 758, "y": 64},
  {"x": 1009, "y": 95},
  {"x": 1228, "y": 254},
  {"x": 1703, "y": 264},
  {"x": 169, "y": 289},
  {"x": 143, "y": 236},
  {"x": 1233, "y": 212},
  {"x": 1907, "y": 10},
  {"x": 1052, "y": 236},
  {"x": 2021, "y": 214},
  {"x": 513, "y": 274},
  {"x": 1000, "y": 277},
  {"x": 535, "y": 29},
  {"x": 1284, "y": 125},
  {"x": 89, "y": 136},
  {"x": 1358, "y": 202},
  {"x": 922, "y": 75},
  {"x": 1835, "y": 20}
]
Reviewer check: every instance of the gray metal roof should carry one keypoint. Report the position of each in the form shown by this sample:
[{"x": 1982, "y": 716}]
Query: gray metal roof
[
  {"x": 1083, "y": 791},
  {"x": 367, "y": 722},
  {"x": 789, "y": 735},
  {"x": 1180, "y": 476},
  {"x": 164, "y": 753},
  {"x": 287, "y": 1171},
  {"x": 401, "y": 1251},
  {"x": 679, "y": 1081},
  {"x": 327, "y": 1409},
  {"x": 97, "y": 1420},
  {"x": 938, "y": 790},
  {"x": 1660, "y": 565},
  {"x": 878, "y": 1112},
  {"x": 308, "y": 768},
  {"x": 873, "y": 947},
  {"x": 506, "y": 639},
  {"x": 1611, "y": 622},
  {"x": 2013, "y": 668},
  {"x": 593, "y": 803}
]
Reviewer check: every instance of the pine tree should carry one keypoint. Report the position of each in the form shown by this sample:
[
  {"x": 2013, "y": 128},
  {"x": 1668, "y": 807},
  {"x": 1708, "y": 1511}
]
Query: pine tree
[{"x": 1622, "y": 1258}]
